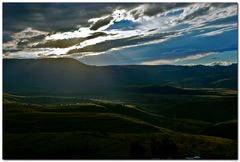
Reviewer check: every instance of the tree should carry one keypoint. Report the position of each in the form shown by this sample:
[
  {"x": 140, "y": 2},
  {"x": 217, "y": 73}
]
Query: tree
[
  {"x": 138, "y": 150},
  {"x": 163, "y": 149}
]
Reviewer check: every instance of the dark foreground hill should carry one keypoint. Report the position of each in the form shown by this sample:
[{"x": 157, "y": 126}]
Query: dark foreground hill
[
  {"x": 101, "y": 130},
  {"x": 66, "y": 75}
]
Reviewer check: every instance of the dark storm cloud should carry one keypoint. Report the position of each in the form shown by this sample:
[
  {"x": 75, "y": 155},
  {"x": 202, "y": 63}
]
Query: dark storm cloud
[
  {"x": 53, "y": 16},
  {"x": 88, "y": 29},
  {"x": 157, "y": 8},
  {"x": 7, "y": 36},
  {"x": 102, "y": 22}
]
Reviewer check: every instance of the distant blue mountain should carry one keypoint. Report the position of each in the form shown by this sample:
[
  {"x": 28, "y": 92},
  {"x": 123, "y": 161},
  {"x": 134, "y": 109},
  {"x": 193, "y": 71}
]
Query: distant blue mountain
[{"x": 65, "y": 75}]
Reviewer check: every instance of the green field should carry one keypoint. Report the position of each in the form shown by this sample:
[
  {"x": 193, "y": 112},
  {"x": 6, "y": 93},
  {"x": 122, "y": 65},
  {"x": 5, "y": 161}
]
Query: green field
[{"x": 92, "y": 127}]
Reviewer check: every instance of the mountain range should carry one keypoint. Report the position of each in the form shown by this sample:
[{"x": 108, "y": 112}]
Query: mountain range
[{"x": 66, "y": 75}]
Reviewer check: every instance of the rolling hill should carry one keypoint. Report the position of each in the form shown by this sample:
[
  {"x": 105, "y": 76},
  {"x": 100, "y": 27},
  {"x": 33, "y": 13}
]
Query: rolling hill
[
  {"x": 65, "y": 75},
  {"x": 61, "y": 108},
  {"x": 94, "y": 130}
]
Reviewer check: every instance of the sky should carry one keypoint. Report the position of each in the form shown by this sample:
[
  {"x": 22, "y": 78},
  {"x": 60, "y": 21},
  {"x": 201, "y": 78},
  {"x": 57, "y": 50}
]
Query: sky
[{"x": 123, "y": 33}]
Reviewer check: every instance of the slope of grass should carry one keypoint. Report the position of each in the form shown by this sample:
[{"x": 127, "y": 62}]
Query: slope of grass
[
  {"x": 104, "y": 130},
  {"x": 227, "y": 129},
  {"x": 100, "y": 145},
  {"x": 216, "y": 109},
  {"x": 40, "y": 120},
  {"x": 74, "y": 111}
]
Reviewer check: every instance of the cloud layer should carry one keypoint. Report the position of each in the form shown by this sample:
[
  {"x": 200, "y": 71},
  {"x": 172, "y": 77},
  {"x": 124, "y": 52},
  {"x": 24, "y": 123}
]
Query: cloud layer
[{"x": 151, "y": 33}]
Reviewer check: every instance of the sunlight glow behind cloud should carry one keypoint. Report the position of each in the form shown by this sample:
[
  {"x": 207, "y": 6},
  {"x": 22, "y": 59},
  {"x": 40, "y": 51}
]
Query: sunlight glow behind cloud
[{"x": 126, "y": 28}]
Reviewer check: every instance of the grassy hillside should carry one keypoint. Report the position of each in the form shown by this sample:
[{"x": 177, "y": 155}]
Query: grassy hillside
[
  {"x": 185, "y": 113},
  {"x": 212, "y": 109},
  {"x": 101, "y": 130},
  {"x": 97, "y": 145},
  {"x": 85, "y": 115},
  {"x": 227, "y": 129}
]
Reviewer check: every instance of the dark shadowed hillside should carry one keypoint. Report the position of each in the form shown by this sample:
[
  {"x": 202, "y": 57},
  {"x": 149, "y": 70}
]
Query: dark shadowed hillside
[
  {"x": 71, "y": 76},
  {"x": 76, "y": 111},
  {"x": 93, "y": 130}
]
